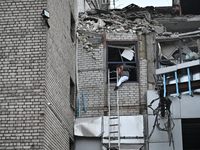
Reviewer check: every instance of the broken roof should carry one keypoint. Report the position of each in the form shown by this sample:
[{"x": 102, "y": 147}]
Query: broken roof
[
  {"x": 132, "y": 19},
  {"x": 117, "y": 21}
]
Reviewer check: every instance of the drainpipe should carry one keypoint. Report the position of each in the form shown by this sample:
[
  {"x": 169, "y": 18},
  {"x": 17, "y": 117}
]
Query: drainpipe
[
  {"x": 77, "y": 87},
  {"x": 139, "y": 73}
]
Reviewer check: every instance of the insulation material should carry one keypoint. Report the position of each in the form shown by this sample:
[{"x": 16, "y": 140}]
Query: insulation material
[
  {"x": 131, "y": 130},
  {"x": 88, "y": 127}
]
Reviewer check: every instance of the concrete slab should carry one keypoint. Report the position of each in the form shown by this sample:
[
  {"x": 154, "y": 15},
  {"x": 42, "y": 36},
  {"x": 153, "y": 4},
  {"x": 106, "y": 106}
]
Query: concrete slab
[
  {"x": 177, "y": 136},
  {"x": 188, "y": 64},
  {"x": 175, "y": 107},
  {"x": 190, "y": 106},
  {"x": 166, "y": 70},
  {"x": 157, "y": 136}
]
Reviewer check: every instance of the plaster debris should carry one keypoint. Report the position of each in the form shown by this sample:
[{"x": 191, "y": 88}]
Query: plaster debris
[
  {"x": 114, "y": 22},
  {"x": 131, "y": 19}
]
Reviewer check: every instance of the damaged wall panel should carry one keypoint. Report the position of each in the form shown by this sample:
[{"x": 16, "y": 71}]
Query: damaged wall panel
[
  {"x": 178, "y": 108},
  {"x": 175, "y": 51},
  {"x": 92, "y": 80},
  {"x": 115, "y": 27}
]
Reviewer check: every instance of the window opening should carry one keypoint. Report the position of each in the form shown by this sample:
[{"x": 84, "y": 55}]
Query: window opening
[
  {"x": 191, "y": 133},
  {"x": 72, "y": 93},
  {"x": 72, "y": 28},
  {"x": 119, "y": 53},
  {"x": 71, "y": 144}
]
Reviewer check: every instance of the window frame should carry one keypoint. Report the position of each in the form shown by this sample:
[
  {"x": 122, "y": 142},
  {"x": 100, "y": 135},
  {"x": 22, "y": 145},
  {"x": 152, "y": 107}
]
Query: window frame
[
  {"x": 135, "y": 43},
  {"x": 72, "y": 28},
  {"x": 179, "y": 47}
]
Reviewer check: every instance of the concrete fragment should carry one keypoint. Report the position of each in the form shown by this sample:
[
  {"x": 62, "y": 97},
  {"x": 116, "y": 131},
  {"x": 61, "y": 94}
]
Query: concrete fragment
[
  {"x": 121, "y": 29},
  {"x": 137, "y": 21},
  {"x": 192, "y": 55},
  {"x": 167, "y": 33},
  {"x": 159, "y": 29}
]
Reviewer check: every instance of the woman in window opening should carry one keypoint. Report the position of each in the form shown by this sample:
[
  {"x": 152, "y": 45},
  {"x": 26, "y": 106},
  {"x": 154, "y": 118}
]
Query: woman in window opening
[{"x": 124, "y": 74}]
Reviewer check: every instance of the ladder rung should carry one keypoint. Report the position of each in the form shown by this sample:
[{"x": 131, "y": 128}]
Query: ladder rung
[
  {"x": 112, "y": 71},
  {"x": 114, "y": 147},
  {"x": 113, "y": 117},
  {"x": 114, "y": 138},
  {"x": 113, "y": 124},
  {"x": 114, "y": 132},
  {"x": 113, "y": 78}
]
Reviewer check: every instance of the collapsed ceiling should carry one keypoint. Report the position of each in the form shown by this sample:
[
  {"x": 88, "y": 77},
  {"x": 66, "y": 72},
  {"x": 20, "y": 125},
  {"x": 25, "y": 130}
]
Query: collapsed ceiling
[{"x": 164, "y": 21}]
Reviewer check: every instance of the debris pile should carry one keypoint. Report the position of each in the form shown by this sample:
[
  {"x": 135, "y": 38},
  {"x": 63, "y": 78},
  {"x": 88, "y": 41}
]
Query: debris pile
[
  {"x": 131, "y": 19},
  {"x": 96, "y": 22},
  {"x": 111, "y": 22}
]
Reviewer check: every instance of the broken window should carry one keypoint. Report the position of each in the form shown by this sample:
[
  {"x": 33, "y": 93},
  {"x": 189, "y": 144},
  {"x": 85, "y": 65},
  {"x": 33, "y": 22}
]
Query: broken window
[
  {"x": 175, "y": 51},
  {"x": 72, "y": 93},
  {"x": 119, "y": 53},
  {"x": 72, "y": 28}
]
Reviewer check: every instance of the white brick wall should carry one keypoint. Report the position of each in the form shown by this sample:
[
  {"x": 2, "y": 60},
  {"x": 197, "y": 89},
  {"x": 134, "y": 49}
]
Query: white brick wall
[{"x": 92, "y": 80}]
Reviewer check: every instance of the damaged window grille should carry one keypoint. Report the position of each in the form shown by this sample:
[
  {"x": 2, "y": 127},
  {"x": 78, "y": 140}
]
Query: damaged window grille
[
  {"x": 119, "y": 53},
  {"x": 175, "y": 51}
]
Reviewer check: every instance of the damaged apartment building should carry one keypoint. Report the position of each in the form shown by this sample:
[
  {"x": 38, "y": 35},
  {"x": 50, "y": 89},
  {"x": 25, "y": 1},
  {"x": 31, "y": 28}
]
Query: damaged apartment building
[
  {"x": 157, "y": 108},
  {"x": 58, "y": 71}
]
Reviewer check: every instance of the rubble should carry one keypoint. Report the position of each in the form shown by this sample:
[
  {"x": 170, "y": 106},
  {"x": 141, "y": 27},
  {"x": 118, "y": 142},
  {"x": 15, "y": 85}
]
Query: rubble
[
  {"x": 131, "y": 19},
  {"x": 114, "y": 22}
]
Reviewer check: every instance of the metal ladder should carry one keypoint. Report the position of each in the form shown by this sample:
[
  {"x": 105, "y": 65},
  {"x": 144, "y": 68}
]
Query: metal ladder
[{"x": 114, "y": 121}]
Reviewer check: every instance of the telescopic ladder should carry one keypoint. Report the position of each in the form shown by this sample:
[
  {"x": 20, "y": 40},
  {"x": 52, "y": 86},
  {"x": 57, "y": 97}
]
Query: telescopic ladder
[{"x": 114, "y": 120}]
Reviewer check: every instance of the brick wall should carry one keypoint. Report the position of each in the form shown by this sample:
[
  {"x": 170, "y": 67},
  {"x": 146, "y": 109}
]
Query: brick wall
[
  {"x": 36, "y": 64},
  {"x": 22, "y": 74},
  {"x": 60, "y": 67},
  {"x": 92, "y": 80},
  {"x": 143, "y": 79}
]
